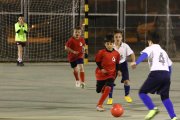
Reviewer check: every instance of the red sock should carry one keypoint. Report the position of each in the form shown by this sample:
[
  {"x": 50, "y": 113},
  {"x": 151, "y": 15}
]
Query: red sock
[
  {"x": 82, "y": 76},
  {"x": 104, "y": 95},
  {"x": 76, "y": 75}
]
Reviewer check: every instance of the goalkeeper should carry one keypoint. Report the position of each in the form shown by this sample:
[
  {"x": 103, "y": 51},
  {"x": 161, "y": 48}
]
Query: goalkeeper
[{"x": 20, "y": 38}]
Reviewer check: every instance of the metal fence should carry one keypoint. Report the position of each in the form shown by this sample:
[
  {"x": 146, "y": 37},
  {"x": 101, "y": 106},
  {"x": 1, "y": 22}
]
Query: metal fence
[{"x": 51, "y": 23}]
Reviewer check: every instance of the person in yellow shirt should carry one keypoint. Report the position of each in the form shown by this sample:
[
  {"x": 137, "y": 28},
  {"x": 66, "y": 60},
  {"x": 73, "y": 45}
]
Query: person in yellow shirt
[{"x": 21, "y": 30}]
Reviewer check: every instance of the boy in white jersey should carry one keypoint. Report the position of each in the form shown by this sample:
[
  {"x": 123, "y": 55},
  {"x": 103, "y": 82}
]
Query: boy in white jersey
[
  {"x": 124, "y": 51},
  {"x": 158, "y": 80}
]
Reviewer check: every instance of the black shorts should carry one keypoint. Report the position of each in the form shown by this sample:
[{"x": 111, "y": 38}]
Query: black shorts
[
  {"x": 101, "y": 83},
  {"x": 157, "y": 82},
  {"x": 23, "y": 44},
  {"x": 124, "y": 71},
  {"x": 76, "y": 62}
]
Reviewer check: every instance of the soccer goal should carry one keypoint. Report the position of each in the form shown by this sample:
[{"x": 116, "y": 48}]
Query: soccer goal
[{"x": 50, "y": 24}]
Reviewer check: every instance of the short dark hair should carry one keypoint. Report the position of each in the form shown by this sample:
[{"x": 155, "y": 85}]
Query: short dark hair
[
  {"x": 77, "y": 28},
  {"x": 118, "y": 31},
  {"x": 20, "y": 15},
  {"x": 154, "y": 37},
  {"x": 108, "y": 38}
]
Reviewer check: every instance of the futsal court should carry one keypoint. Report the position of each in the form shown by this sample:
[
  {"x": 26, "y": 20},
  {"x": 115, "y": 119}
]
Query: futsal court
[{"x": 46, "y": 91}]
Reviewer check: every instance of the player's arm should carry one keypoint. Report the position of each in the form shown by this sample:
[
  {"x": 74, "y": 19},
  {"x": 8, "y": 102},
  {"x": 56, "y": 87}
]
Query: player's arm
[
  {"x": 101, "y": 68},
  {"x": 133, "y": 57},
  {"x": 70, "y": 50},
  {"x": 98, "y": 60},
  {"x": 170, "y": 70},
  {"x": 141, "y": 58},
  {"x": 25, "y": 28},
  {"x": 118, "y": 68},
  {"x": 130, "y": 53},
  {"x": 169, "y": 64},
  {"x": 17, "y": 28}
]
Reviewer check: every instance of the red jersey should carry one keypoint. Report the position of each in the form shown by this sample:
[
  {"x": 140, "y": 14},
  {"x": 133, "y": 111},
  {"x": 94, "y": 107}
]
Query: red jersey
[
  {"x": 108, "y": 62},
  {"x": 76, "y": 45}
]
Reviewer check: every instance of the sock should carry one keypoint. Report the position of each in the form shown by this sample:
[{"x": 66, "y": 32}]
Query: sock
[
  {"x": 20, "y": 60},
  {"x": 104, "y": 95},
  {"x": 169, "y": 107},
  {"x": 82, "y": 76},
  {"x": 76, "y": 75},
  {"x": 147, "y": 101},
  {"x": 111, "y": 92},
  {"x": 126, "y": 89}
]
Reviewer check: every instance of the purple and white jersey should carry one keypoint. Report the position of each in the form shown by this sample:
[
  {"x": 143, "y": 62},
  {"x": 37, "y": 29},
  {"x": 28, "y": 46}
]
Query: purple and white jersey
[{"x": 157, "y": 58}]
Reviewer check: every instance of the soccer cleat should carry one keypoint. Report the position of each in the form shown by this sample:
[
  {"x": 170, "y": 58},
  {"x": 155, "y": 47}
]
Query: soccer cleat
[
  {"x": 100, "y": 108},
  {"x": 77, "y": 83},
  {"x": 128, "y": 99},
  {"x": 110, "y": 101},
  {"x": 152, "y": 113},
  {"x": 82, "y": 85},
  {"x": 174, "y": 118},
  {"x": 21, "y": 64}
]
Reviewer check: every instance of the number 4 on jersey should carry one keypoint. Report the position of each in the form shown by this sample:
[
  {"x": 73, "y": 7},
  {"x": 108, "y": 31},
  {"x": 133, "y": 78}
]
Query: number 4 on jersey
[{"x": 161, "y": 58}]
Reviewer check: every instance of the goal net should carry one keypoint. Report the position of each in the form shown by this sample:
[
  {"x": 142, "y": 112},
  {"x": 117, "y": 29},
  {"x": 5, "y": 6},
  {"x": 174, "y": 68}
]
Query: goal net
[{"x": 50, "y": 24}]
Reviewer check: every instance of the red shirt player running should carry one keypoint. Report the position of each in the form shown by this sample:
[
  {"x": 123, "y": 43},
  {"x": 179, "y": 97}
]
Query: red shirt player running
[
  {"x": 107, "y": 61},
  {"x": 75, "y": 47}
]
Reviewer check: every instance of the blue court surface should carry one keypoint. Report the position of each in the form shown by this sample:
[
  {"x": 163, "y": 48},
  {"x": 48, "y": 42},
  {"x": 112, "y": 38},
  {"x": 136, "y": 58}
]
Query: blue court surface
[{"x": 46, "y": 91}]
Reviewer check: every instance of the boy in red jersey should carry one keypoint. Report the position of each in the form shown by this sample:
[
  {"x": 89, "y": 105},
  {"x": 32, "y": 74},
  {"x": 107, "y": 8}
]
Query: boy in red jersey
[
  {"x": 107, "y": 61},
  {"x": 75, "y": 47}
]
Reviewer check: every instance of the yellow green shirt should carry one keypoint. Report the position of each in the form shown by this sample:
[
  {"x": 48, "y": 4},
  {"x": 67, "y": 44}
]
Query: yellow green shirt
[{"x": 21, "y": 32}]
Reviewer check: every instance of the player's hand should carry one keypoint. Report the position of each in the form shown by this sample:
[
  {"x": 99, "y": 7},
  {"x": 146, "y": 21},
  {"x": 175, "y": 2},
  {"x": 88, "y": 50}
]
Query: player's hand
[
  {"x": 75, "y": 52},
  {"x": 104, "y": 71},
  {"x": 133, "y": 65},
  {"x": 119, "y": 73}
]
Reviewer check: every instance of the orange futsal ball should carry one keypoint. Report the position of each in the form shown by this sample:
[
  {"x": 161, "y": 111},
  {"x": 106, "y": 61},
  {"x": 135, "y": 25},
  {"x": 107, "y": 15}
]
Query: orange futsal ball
[{"x": 117, "y": 110}]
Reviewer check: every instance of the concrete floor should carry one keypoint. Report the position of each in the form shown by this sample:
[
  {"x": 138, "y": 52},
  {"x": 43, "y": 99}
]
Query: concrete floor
[{"x": 46, "y": 91}]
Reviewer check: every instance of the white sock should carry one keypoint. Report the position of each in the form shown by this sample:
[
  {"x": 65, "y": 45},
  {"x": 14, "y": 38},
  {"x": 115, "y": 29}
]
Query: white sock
[{"x": 20, "y": 60}]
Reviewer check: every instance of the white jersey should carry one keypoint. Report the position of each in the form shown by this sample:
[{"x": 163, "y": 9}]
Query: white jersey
[
  {"x": 124, "y": 50},
  {"x": 157, "y": 58}
]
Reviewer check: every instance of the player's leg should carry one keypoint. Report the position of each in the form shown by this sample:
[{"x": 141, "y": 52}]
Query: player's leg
[
  {"x": 125, "y": 80},
  {"x": 153, "y": 110},
  {"x": 110, "y": 99},
  {"x": 23, "y": 44},
  {"x": 107, "y": 89},
  {"x": 150, "y": 86},
  {"x": 100, "y": 86},
  {"x": 82, "y": 73},
  {"x": 127, "y": 97},
  {"x": 20, "y": 51},
  {"x": 165, "y": 98},
  {"x": 169, "y": 107},
  {"x": 75, "y": 73}
]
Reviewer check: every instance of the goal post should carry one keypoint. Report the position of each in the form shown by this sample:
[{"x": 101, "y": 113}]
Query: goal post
[{"x": 50, "y": 25}]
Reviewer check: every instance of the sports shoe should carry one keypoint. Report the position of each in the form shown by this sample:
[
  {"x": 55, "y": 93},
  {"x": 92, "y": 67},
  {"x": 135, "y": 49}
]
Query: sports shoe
[
  {"x": 100, "y": 108},
  {"x": 110, "y": 101},
  {"x": 152, "y": 113},
  {"x": 82, "y": 85},
  {"x": 128, "y": 99},
  {"x": 174, "y": 118},
  {"x": 77, "y": 83},
  {"x": 21, "y": 64}
]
